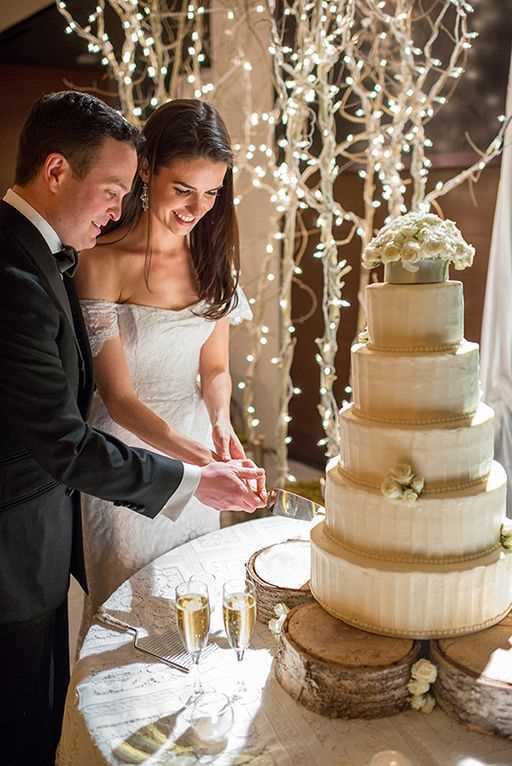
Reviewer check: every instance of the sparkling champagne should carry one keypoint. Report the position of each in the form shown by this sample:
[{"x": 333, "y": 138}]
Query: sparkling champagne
[
  {"x": 239, "y": 618},
  {"x": 193, "y": 612}
]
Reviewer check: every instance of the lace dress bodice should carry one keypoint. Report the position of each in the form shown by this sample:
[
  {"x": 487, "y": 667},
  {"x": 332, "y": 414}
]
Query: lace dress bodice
[{"x": 162, "y": 348}]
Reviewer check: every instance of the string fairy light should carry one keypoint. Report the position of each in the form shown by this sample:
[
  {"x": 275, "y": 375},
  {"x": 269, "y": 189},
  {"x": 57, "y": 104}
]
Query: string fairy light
[
  {"x": 162, "y": 56},
  {"x": 388, "y": 89},
  {"x": 357, "y": 82},
  {"x": 393, "y": 87}
]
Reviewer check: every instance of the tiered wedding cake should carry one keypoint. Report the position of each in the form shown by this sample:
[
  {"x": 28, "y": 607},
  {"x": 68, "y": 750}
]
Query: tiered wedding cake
[{"x": 413, "y": 540}]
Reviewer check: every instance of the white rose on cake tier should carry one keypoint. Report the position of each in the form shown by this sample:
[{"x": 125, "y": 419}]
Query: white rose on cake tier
[
  {"x": 402, "y": 473},
  {"x": 409, "y": 496},
  {"x": 391, "y": 489},
  {"x": 417, "y": 484},
  {"x": 506, "y": 536},
  {"x": 415, "y": 237},
  {"x": 402, "y": 484}
]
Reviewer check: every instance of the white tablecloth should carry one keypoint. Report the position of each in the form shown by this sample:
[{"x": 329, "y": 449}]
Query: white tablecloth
[{"x": 116, "y": 691}]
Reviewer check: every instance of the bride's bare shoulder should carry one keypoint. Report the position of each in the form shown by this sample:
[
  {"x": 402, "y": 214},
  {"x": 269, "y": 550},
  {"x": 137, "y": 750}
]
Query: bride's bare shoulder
[{"x": 104, "y": 269}]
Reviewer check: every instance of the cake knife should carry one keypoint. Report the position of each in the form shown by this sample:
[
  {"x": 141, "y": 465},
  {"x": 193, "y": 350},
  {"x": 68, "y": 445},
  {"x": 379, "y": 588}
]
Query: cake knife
[{"x": 285, "y": 503}]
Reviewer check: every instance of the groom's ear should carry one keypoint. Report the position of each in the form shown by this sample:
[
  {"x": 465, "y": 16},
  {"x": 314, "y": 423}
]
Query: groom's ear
[{"x": 55, "y": 170}]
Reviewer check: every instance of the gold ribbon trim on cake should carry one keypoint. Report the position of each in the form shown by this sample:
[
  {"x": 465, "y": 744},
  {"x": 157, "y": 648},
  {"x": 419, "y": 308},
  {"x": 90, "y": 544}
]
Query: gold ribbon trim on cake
[
  {"x": 404, "y": 633},
  {"x": 461, "y": 420},
  {"x": 413, "y": 349},
  {"x": 430, "y": 489},
  {"x": 403, "y": 558}
]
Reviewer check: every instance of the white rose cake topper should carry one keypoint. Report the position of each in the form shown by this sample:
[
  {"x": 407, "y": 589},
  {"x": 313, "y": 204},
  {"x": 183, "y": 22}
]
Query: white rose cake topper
[{"x": 417, "y": 237}]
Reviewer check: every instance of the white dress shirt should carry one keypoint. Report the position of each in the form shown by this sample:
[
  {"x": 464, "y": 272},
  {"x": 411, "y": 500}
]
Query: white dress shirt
[{"x": 192, "y": 473}]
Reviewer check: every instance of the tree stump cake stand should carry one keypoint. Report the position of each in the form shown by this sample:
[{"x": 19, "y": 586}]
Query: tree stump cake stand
[
  {"x": 280, "y": 574},
  {"x": 340, "y": 671},
  {"x": 474, "y": 680}
]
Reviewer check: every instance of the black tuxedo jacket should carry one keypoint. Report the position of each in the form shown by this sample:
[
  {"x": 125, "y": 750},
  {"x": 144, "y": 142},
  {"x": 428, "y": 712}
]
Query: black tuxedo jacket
[{"x": 48, "y": 454}]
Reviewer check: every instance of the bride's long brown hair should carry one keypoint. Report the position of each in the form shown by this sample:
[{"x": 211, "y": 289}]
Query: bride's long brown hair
[{"x": 188, "y": 128}]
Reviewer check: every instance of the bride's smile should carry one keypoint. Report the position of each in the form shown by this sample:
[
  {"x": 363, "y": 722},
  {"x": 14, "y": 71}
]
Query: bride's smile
[{"x": 184, "y": 191}]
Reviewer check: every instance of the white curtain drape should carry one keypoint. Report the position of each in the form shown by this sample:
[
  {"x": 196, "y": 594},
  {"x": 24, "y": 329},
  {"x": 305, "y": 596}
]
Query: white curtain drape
[{"x": 496, "y": 344}]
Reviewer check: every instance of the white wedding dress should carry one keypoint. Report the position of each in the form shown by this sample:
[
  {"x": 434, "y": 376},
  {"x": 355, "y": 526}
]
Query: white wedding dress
[{"x": 162, "y": 349}]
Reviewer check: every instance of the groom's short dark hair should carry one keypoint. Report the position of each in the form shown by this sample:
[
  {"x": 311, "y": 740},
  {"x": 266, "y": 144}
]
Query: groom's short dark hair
[{"x": 73, "y": 124}]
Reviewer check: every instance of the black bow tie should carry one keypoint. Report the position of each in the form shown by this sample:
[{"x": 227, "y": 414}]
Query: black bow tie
[{"x": 67, "y": 260}]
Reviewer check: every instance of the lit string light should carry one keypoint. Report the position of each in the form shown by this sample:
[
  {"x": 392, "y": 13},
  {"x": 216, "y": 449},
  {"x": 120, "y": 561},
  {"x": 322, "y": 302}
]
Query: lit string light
[
  {"x": 389, "y": 88},
  {"x": 162, "y": 57},
  {"x": 392, "y": 87},
  {"x": 304, "y": 73}
]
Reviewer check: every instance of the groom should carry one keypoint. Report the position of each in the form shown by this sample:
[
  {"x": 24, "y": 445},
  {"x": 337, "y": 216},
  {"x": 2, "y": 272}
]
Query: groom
[{"x": 76, "y": 160}]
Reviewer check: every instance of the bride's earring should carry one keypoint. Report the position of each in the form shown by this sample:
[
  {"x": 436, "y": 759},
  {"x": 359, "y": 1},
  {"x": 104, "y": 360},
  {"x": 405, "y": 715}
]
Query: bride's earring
[{"x": 144, "y": 197}]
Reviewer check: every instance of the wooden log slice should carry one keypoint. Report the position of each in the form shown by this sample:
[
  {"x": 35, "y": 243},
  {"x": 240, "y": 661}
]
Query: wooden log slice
[
  {"x": 280, "y": 574},
  {"x": 340, "y": 671},
  {"x": 474, "y": 680}
]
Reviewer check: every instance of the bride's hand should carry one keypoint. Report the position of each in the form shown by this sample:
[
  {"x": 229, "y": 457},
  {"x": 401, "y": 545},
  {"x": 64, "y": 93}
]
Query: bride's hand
[{"x": 225, "y": 441}]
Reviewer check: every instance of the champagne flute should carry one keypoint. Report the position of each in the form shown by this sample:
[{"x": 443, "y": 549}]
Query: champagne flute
[
  {"x": 239, "y": 611},
  {"x": 193, "y": 618},
  {"x": 211, "y": 720}
]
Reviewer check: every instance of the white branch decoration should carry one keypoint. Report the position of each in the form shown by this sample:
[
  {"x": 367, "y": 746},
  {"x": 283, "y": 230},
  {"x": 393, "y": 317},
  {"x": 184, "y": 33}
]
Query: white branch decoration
[{"x": 357, "y": 83}]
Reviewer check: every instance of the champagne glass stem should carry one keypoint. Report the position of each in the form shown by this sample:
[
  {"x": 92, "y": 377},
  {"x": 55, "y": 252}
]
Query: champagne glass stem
[
  {"x": 197, "y": 686},
  {"x": 240, "y": 687}
]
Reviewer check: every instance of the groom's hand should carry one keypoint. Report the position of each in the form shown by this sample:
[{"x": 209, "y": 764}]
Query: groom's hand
[{"x": 237, "y": 485}]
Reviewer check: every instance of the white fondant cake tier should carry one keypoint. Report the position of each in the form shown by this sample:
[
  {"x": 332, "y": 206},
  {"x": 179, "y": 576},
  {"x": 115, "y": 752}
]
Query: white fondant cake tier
[
  {"x": 448, "y": 456},
  {"x": 410, "y": 600},
  {"x": 445, "y": 527},
  {"x": 420, "y": 316},
  {"x": 415, "y": 387}
]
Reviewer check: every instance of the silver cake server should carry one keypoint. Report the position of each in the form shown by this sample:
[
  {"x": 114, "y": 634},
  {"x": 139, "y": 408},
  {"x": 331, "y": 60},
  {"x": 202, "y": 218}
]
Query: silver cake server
[{"x": 284, "y": 503}]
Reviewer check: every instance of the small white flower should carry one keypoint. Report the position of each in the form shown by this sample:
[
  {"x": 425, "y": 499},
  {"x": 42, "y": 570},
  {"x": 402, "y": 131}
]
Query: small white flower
[
  {"x": 429, "y": 703},
  {"x": 402, "y": 484},
  {"x": 402, "y": 473},
  {"x": 391, "y": 253},
  {"x": 433, "y": 248},
  {"x": 409, "y": 496},
  {"x": 417, "y": 484},
  {"x": 506, "y": 536},
  {"x": 281, "y": 610},
  {"x": 417, "y": 701},
  {"x": 418, "y": 687},
  {"x": 275, "y": 624},
  {"x": 391, "y": 489},
  {"x": 424, "y": 670}
]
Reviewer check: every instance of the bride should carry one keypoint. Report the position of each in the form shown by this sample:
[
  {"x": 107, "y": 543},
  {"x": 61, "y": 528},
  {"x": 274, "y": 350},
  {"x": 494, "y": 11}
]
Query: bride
[{"x": 158, "y": 294}]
